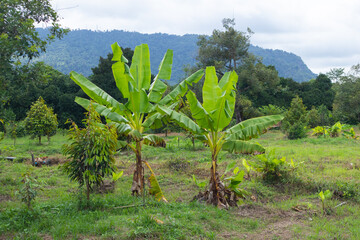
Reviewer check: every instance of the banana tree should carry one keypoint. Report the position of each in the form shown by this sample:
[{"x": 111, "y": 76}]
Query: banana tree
[
  {"x": 210, "y": 121},
  {"x": 138, "y": 114}
]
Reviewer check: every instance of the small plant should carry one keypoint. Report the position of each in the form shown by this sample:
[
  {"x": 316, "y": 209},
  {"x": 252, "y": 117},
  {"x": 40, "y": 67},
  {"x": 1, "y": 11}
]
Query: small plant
[
  {"x": 273, "y": 167},
  {"x": 201, "y": 184},
  {"x": 116, "y": 176},
  {"x": 324, "y": 196},
  {"x": 28, "y": 190},
  {"x": 350, "y": 134},
  {"x": 335, "y": 130},
  {"x": 248, "y": 168},
  {"x": 90, "y": 152},
  {"x": 233, "y": 182},
  {"x": 319, "y": 131}
]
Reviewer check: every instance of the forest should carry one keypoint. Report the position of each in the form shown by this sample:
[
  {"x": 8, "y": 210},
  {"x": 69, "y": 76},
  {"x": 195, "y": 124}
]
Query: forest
[{"x": 233, "y": 151}]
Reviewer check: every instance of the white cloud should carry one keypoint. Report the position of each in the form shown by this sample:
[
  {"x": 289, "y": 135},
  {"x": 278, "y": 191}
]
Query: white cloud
[{"x": 325, "y": 33}]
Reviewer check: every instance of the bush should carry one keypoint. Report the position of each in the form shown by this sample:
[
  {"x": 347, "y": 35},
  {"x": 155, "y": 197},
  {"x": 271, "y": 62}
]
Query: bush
[
  {"x": 296, "y": 131},
  {"x": 41, "y": 120},
  {"x": 294, "y": 123},
  {"x": 313, "y": 118}
]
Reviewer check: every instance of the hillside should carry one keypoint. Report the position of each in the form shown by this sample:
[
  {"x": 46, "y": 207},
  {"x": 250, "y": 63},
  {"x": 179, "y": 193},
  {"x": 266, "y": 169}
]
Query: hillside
[{"x": 80, "y": 51}]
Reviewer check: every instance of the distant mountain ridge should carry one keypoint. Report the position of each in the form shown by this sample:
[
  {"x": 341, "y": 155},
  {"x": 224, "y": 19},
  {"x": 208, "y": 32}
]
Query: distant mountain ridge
[{"x": 80, "y": 51}]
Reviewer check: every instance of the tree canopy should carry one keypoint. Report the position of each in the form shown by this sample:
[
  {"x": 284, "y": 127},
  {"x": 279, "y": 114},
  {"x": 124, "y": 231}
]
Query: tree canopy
[
  {"x": 224, "y": 49},
  {"x": 18, "y": 36}
]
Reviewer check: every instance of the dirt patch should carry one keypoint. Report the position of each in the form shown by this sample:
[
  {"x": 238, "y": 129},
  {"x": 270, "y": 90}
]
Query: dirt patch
[
  {"x": 4, "y": 198},
  {"x": 279, "y": 223}
]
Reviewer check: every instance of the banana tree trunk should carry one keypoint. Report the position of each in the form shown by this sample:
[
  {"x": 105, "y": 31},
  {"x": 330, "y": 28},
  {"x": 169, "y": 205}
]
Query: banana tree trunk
[
  {"x": 138, "y": 178},
  {"x": 216, "y": 192}
]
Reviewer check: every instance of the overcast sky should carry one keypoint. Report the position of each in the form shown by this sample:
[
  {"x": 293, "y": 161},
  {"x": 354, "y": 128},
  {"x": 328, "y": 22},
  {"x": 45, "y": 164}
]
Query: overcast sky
[{"x": 324, "y": 33}]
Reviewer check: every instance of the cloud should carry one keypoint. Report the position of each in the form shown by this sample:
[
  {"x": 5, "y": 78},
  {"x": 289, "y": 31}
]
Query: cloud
[{"x": 323, "y": 32}]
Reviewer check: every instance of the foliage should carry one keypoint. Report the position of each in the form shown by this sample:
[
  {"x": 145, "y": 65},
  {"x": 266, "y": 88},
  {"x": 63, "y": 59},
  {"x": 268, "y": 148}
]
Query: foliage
[
  {"x": 223, "y": 49},
  {"x": 320, "y": 131},
  {"x": 138, "y": 114},
  {"x": 245, "y": 109},
  {"x": 318, "y": 92},
  {"x": 273, "y": 167},
  {"x": 233, "y": 182},
  {"x": 247, "y": 167},
  {"x": 40, "y": 120},
  {"x": 211, "y": 118},
  {"x": 1, "y": 133},
  {"x": 324, "y": 197},
  {"x": 294, "y": 122},
  {"x": 258, "y": 82},
  {"x": 28, "y": 192},
  {"x": 346, "y": 105},
  {"x": 350, "y": 134},
  {"x": 90, "y": 152},
  {"x": 313, "y": 118},
  {"x": 29, "y": 82},
  {"x": 154, "y": 186},
  {"x": 19, "y": 37},
  {"x": 271, "y": 110}
]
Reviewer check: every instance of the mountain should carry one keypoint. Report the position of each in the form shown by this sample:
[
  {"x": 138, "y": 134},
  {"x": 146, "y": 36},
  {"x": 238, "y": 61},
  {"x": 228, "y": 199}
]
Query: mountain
[{"x": 80, "y": 51}]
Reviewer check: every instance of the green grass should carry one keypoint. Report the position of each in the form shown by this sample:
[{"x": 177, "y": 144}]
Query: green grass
[{"x": 288, "y": 208}]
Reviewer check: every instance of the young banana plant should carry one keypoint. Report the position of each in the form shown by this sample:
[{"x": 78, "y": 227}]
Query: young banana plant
[
  {"x": 138, "y": 113},
  {"x": 210, "y": 120}
]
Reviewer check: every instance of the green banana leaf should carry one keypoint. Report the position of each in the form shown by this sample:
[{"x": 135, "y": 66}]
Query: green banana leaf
[
  {"x": 225, "y": 105},
  {"x": 211, "y": 90},
  {"x": 102, "y": 110},
  {"x": 96, "y": 93},
  {"x": 181, "y": 88},
  {"x": 140, "y": 67},
  {"x": 154, "y": 141},
  {"x": 158, "y": 88},
  {"x": 200, "y": 115},
  {"x": 181, "y": 119},
  {"x": 252, "y": 128},
  {"x": 239, "y": 146}
]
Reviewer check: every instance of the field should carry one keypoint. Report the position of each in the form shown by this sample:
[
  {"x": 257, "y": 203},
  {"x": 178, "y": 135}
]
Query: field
[{"x": 288, "y": 208}]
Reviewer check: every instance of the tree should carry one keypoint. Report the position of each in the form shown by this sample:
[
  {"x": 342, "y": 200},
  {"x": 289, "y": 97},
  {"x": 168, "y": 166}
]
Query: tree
[
  {"x": 40, "y": 120},
  {"x": 138, "y": 114},
  {"x": 318, "y": 92},
  {"x": 294, "y": 122},
  {"x": 19, "y": 37},
  {"x": 91, "y": 152},
  {"x": 211, "y": 119},
  {"x": 346, "y": 105},
  {"x": 224, "y": 49}
]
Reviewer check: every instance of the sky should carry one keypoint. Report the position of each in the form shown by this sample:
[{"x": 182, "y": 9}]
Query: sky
[{"x": 324, "y": 33}]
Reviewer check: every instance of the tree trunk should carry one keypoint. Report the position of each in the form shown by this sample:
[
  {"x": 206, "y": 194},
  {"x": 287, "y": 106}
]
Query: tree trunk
[
  {"x": 138, "y": 179},
  {"x": 39, "y": 140},
  {"x": 87, "y": 189},
  {"x": 217, "y": 194},
  {"x": 193, "y": 142},
  {"x": 238, "y": 117}
]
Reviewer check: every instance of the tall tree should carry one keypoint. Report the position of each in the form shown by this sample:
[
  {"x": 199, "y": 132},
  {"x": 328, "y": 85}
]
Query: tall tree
[
  {"x": 224, "y": 49},
  {"x": 18, "y": 36},
  {"x": 347, "y": 99}
]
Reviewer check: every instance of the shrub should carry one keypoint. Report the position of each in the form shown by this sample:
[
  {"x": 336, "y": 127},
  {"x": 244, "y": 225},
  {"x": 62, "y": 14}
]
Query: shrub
[
  {"x": 91, "y": 152},
  {"x": 40, "y": 120},
  {"x": 294, "y": 123}
]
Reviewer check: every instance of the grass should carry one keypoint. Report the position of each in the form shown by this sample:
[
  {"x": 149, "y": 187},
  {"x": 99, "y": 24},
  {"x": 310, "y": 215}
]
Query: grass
[{"x": 286, "y": 209}]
